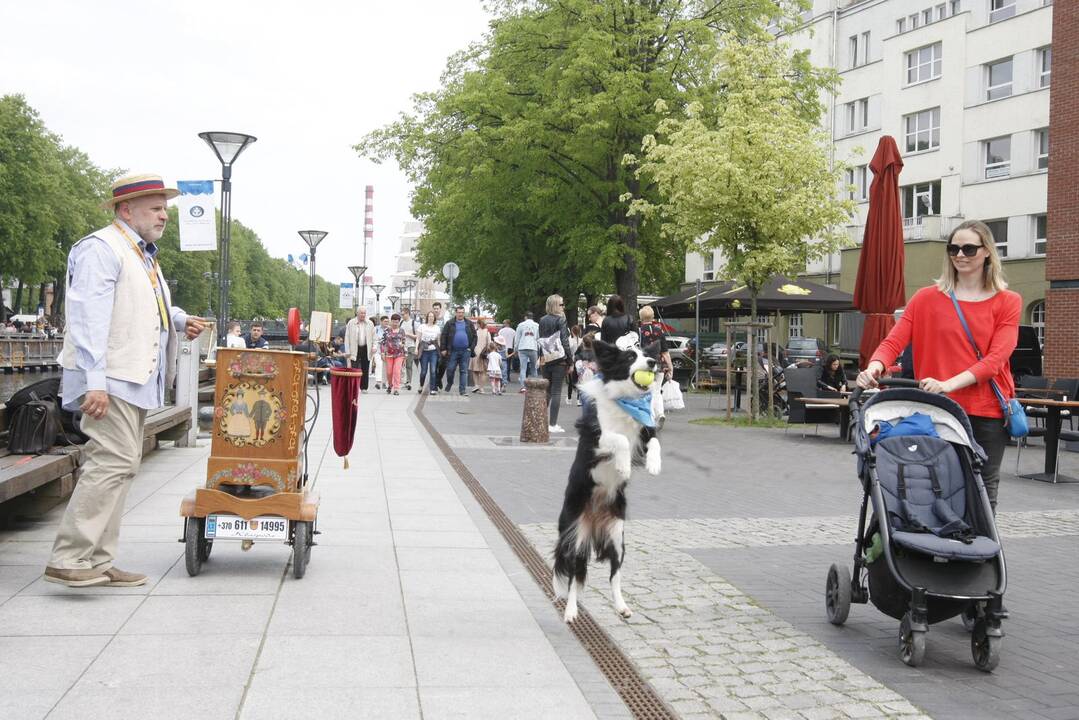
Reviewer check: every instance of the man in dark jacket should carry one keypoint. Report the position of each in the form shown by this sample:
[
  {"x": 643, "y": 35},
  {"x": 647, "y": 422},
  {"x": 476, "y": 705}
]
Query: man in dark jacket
[{"x": 458, "y": 347}]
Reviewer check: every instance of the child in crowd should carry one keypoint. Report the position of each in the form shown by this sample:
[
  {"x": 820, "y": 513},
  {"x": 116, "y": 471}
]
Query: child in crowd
[{"x": 494, "y": 365}]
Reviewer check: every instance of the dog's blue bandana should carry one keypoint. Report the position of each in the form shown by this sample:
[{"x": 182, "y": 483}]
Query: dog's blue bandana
[{"x": 639, "y": 409}]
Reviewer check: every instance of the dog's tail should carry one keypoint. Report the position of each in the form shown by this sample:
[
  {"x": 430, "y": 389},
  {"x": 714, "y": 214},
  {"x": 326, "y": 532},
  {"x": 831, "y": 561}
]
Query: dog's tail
[{"x": 563, "y": 569}]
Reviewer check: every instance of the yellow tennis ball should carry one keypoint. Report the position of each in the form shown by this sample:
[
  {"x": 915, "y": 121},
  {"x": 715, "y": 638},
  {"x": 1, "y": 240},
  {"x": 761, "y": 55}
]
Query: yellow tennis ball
[{"x": 644, "y": 378}]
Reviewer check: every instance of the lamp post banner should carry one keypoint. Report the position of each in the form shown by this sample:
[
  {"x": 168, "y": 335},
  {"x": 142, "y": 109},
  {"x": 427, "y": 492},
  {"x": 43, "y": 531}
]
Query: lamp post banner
[
  {"x": 195, "y": 205},
  {"x": 347, "y": 296}
]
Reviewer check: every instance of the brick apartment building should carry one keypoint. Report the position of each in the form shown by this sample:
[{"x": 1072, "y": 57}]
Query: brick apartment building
[{"x": 1062, "y": 256}]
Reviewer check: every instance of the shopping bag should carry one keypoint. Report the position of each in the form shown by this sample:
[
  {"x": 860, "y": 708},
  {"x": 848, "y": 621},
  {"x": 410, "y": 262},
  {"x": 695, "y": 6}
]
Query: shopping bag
[{"x": 672, "y": 396}]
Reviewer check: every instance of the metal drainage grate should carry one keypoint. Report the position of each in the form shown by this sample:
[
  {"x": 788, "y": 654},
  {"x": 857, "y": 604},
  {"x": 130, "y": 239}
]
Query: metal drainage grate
[{"x": 634, "y": 690}]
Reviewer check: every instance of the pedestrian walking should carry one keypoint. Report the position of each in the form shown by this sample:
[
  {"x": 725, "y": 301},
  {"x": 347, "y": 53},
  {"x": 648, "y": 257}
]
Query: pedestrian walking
[
  {"x": 494, "y": 365},
  {"x": 409, "y": 326},
  {"x": 479, "y": 362},
  {"x": 651, "y": 332},
  {"x": 427, "y": 342},
  {"x": 508, "y": 334},
  {"x": 554, "y": 337},
  {"x": 945, "y": 359},
  {"x": 575, "y": 340},
  {"x": 360, "y": 345},
  {"x": 525, "y": 344},
  {"x": 458, "y": 347},
  {"x": 377, "y": 366},
  {"x": 118, "y": 358},
  {"x": 595, "y": 321},
  {"x": 392, "y": 350},
  {"x": 616, "y": 324}
]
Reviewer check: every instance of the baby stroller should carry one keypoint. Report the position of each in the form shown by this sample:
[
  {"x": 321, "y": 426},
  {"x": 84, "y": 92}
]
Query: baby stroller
[{"x": 930, "y": 551}]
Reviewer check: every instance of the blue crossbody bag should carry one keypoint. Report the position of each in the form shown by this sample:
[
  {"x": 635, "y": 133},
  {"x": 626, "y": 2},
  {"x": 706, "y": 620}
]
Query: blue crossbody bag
[{"x": 1015, "y": 418}]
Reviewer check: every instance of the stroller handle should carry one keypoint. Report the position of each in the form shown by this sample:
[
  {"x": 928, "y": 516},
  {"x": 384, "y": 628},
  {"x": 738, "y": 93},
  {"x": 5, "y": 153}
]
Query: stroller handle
[{"x": 885, "y": 382}]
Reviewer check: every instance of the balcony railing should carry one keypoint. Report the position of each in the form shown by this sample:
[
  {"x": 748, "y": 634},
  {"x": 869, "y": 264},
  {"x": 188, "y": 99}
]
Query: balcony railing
[{"x": 923, "y": 227}]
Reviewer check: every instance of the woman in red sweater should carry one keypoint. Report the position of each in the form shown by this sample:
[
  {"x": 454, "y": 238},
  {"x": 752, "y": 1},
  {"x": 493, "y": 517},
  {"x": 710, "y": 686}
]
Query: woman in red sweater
[{"x": 944, "y": 360}]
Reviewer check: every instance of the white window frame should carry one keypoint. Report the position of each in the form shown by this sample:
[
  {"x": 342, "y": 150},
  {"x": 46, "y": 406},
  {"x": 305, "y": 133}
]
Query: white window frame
[
  {"x": 795, "y": 325},
  {"x": 865, "y": 47},
  {"x": 708, "y": 265},
  {"x": 996, "y": 168},
  {"x": 858, "y": 179},
  {"x": 927, "y": 16},
  {"x": 916, "y": 210},
  {"x": 857, "y": 115},
  {"x": 991, "y": 89},
  {"x": 853, "y": 51},
  {"x": 914, "y": 65},
  {"x": 1045, "y": 66},
  {"x": 1002, "y": 247},
  {"x": 1001, "y": 10},
  {"x": 931, "y": 119},
  {"x": 900, "y": 25},
  {"x": 1041, "y": 154},
  {"x": 1040, "y": 243},
  {"x": 957, "y": 7},
  {"x": 913, "y": 21},
  {"x": 1037, "y": 320},
  {"x": 942, "y": 11}
]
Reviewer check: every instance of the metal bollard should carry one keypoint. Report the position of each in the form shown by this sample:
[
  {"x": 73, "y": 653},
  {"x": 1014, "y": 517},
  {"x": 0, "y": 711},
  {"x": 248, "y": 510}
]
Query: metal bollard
[{"x": 535, "y": 414}]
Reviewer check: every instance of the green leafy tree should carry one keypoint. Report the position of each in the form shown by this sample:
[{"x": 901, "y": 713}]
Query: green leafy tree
[
  {"x": 753, "y": 178},
  {"x": 517, "y": 159}
]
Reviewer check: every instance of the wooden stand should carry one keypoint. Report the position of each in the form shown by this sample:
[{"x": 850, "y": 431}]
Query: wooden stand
[{"x": 255, "y": 472}]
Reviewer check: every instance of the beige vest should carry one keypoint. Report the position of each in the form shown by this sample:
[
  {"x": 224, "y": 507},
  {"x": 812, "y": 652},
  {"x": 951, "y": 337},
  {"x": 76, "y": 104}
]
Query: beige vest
[{"x": 135, "y": 328}]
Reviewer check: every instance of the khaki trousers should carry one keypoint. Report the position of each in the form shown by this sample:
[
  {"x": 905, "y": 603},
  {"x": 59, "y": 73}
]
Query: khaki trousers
[{"x": 90, "y": 530}]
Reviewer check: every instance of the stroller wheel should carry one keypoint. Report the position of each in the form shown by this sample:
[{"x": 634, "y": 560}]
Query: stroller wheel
[
  {"x": 911, "y": 643},
  {"x": 984, "y": 648},
  {"x": 837, "y": 594},
  {"x": 969, "y": 616}
]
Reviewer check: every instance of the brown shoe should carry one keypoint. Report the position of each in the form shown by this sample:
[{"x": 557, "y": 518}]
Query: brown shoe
[
  {"x": 76, "y": 578},
  {"x": 120, "y": 578}
]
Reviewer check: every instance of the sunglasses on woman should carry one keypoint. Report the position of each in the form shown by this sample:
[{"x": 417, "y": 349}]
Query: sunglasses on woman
[{"x": 968, "y": 250}]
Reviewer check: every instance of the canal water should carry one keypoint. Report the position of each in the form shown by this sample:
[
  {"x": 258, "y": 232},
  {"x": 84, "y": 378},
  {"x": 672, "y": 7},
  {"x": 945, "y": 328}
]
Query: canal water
[{"x": 10, "y": 383}]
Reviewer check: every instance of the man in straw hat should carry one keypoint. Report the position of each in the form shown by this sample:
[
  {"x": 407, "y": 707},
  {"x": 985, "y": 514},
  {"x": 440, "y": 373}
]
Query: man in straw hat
[{"x": 118, "y": 358}]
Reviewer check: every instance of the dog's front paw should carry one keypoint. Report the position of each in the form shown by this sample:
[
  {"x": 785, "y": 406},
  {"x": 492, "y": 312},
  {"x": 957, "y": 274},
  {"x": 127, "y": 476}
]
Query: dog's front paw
[
  {"x": 625, "y": 612},
  {"x": 623, "y": 465},
  {"x": 652, "y": 460},
  {"x": 570, "y": 614}
]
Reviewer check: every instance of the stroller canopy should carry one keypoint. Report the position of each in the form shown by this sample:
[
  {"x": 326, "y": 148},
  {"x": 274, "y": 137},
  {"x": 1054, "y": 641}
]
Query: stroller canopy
[{"x": 894, "y": 404}]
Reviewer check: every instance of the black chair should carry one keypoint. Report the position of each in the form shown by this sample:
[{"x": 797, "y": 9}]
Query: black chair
[
  {"x": 802, "y": 383},
  {"x": 1065, "y": 387}
]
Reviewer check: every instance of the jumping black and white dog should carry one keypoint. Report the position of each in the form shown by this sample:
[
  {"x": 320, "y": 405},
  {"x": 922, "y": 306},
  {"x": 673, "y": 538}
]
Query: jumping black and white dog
[{"x": 616, "y": 431}]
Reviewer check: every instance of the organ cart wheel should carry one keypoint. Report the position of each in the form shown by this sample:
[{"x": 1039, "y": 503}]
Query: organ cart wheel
[
  {"x": 196, "y": 547},
  {"x": 911, "y": 643},
  {"x": 985, "y": 648},
  {"x": 837, "y": 594},
  {"x": 302, "y": 539}
]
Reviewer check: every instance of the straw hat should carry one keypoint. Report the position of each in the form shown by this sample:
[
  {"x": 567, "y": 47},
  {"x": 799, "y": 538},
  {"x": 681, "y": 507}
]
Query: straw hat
[{"x": 133, "y": 186}]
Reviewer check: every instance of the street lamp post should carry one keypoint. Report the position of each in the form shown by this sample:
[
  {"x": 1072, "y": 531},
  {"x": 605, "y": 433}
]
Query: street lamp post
[
  {"x": 410, "y": 284},
  {"x": 312, "y": 238},
  {"x": 377, "y": 290},
  {"x": 697, "y": 338},
  {"x": 211, "y": 278},
  {"x": 357, "y": 272},
  {"x": 227, "y": 146},
  {"x": 393, "y": 301}
]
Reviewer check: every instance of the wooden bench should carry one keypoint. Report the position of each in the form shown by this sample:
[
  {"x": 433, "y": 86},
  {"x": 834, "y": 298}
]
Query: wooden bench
[{"x": 54, "y": 475}]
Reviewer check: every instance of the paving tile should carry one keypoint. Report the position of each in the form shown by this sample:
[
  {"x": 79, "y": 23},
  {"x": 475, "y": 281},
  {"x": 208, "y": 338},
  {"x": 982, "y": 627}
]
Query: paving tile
[
  {"x": 487, "y": 662},
  {"x": 74, "y": 613},
  {"x": 334, "y": 661},
  {"x": 454, "y": 618},
  {"x": 230, "y": 571},
  {"x": 172, "y": 661},
  {"x": 331, "y": 703},
  {"x": 439, "y": 586},
  {"x": 211, "y": 615},
  {"x": 104, "y": 702},
  {"x": 419, "y": 538},
  {"x": 500, "y": 703},
  {"x": 362, "y": 612},
  {"x": 447, "y": 559}
]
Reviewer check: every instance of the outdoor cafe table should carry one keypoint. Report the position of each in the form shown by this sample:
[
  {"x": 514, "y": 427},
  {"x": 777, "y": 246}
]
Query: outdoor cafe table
[
  {"x": 1052, "y": 436},
  {"x": 840, "y": 401}
]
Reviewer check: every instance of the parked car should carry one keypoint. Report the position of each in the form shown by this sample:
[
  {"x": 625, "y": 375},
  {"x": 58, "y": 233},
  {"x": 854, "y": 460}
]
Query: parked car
[
  {"x": 678, "y": 345},
  {"x": 813, "y": 350},
  {"x": 714, "y": 354},
  {"x": 1027, "y": 357}
]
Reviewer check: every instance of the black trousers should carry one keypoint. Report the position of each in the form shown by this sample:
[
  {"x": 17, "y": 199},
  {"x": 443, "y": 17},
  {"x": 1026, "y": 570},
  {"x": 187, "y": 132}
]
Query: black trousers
[
  {"x": 363, "y": 363},
  {"x": 993, "y": 437},
  {"x": 554, "y": 372}
]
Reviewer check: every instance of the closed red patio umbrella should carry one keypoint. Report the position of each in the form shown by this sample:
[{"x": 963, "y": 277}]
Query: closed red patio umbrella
[{"x": 879, "y": 289}]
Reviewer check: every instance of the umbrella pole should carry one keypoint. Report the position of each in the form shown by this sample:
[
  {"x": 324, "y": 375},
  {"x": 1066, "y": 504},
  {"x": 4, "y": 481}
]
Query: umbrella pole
[{"x": 730, "y": 350}]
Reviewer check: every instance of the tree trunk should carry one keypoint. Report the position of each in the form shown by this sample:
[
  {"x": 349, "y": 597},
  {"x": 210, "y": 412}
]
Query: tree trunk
[
  {"x": 41, "y": 297},
  {"x": 59, "y": 290},
  {"x": 751, "y": 358},
  {"x": 626, "y": 282}
]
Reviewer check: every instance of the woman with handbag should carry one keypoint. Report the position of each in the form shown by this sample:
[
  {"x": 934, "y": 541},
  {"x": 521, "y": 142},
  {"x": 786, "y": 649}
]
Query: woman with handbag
[
  {"x": 555, "y": 355},
  {"x": 963, "y": 330}
]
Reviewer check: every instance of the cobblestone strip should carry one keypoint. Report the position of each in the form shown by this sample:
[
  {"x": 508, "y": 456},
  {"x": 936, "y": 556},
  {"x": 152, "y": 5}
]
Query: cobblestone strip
[{"x": 710, "y": 651}]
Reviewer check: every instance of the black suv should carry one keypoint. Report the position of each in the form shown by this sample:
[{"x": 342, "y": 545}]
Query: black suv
[
  {"x": 1027, "y": 357},
  {"x": 806, "y": 348}
]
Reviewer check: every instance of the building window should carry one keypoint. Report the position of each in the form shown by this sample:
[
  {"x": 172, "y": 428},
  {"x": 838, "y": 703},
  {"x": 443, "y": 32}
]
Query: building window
[
  {"x": 865, "y": 48},
  {"x": 1037, "y": 320},
  {"x": 858, "y": 182},
  {"x": 857, "y": 115},
  {"x": 1043, "y": 148},
  {"x": 998, "y": 157},
  {"x": 919, "y": 201},
  {"x": 854, "y": 51},
  {"x": 709, "y": 266},
  {"x": 924, "y": 63},
  {"x": 1040, "y": 234},
  {"x": 999, "y": 79},
  {"x": 1045, "y": 66},
  {"x": 900, "y": 25},
  {"x": 1001, "y": 10},
  {"x": 922, "y": 130},
  {"x": 999, "y": 228},
  {"x": 927, "y": 16},
  {"x": 957, "y": 6},
  {"x": 942, "y": 11},
  {"x": 794, "y": 325}
]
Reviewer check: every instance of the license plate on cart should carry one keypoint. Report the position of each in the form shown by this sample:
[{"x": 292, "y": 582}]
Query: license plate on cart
[{"x": 234, "y": 527}]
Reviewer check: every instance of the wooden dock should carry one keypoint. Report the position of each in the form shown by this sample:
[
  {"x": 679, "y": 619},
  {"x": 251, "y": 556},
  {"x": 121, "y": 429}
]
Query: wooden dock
[{"x": 23, "y": 353}]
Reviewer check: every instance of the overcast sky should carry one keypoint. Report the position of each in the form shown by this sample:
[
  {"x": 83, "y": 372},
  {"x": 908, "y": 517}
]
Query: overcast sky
[{"x": 132, "y": 84}]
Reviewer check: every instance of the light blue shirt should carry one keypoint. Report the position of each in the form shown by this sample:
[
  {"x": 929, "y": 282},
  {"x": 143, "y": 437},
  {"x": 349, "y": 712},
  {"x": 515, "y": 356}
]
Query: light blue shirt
[
  {"x": 527, "y": 336},
  {"x": 92, "y": 272}
]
